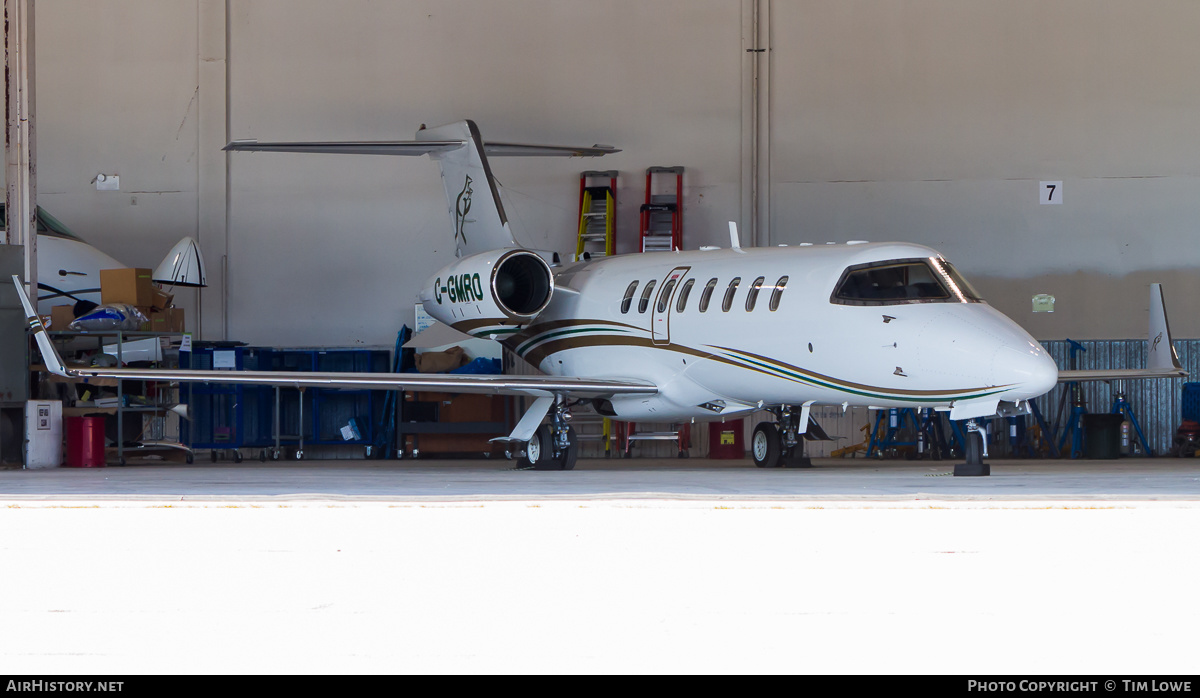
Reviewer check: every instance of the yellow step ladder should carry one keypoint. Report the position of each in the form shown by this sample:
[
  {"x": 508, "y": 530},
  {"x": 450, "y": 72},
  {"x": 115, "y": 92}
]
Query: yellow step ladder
[{"x": 597, "y": 215}]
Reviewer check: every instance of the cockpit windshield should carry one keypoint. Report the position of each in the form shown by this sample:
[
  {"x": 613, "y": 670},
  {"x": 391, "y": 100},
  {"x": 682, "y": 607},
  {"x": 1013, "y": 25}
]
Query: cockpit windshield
[
  {"x": 46, "y": 225},
  {"x": 928, "y": 280}
]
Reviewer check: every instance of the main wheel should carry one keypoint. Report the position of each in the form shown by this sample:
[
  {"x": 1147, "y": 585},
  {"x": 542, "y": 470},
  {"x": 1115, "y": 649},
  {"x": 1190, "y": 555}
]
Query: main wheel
[
  {"x": 539, "y": 450},
  {"x": 765, "y": 447}
]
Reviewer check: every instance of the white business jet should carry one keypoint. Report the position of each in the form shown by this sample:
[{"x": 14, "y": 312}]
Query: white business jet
[
  {"x": 69, "y": 268},
  {"x": 701, "y": 334}
]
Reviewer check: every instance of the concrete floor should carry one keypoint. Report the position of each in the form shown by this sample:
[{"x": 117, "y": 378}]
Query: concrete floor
[
  {"x": 618, "y": 566},
  {"x": 453, "y": 480}
]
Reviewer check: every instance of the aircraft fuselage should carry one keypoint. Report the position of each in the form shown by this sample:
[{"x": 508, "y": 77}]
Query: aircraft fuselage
[{"x": 792, "y": 344}]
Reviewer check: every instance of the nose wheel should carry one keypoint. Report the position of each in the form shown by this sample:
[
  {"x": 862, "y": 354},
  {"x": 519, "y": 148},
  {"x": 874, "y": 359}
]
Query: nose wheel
[{"x": 973, "y": 450}]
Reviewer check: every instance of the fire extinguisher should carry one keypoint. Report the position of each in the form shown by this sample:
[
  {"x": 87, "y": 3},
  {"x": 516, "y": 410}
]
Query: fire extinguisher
[{"x": 1125, "y": 428}]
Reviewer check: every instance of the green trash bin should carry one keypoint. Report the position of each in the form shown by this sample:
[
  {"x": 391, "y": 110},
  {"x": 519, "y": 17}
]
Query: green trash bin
[{"x": 1102, "y": 435}]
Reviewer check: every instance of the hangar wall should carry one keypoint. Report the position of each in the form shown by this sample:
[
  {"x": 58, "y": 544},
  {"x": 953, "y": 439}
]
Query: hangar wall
[
  {"x": 935, "y": 120},
  {"x": 925, "y": 120}
]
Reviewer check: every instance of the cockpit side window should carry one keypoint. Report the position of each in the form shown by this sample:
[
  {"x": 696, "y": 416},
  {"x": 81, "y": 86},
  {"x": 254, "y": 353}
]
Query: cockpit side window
[
  {"x": 901, "y": 281},
  {"x": 958, "y": 284}
]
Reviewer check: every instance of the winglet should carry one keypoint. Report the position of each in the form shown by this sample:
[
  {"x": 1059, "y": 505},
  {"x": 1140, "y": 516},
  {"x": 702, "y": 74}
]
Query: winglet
[
  {"x": 53, "y": 361},
  {"x": 1160, "y": 350},
  {"x": 734, "y": 243}
]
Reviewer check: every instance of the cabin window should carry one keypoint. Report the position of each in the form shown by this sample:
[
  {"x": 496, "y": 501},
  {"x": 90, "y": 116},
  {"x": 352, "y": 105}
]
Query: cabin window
[
  {"x": 752, "y": 294},
  {"x": 644, "y": 301},
  {"x": 683, "y": 295},
  {"x": 779, "y": 286},
  {"x": 729, "y": 292},
  {"x": 707, "y": 295},
  {"x": 902, "y": 281},
  {"x": 628, "y": 300},
  {"x": 664, "y": 298}
]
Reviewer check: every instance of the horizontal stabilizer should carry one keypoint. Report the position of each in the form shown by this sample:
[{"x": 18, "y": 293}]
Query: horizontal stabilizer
[
  {"x": 419, "y": 148},
  {"x": 348, "y": 147},
  {"x": 472, "y": 197}
]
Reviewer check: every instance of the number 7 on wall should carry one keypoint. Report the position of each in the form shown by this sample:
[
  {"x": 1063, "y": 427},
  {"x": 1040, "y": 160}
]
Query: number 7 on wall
[{"x": 1050, "y": 193}]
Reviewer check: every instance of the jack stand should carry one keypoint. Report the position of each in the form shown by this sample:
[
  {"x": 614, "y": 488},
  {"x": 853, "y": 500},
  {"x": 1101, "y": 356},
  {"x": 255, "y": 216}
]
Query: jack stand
[
  {"x": 973, "y": 449},
  {"x": 1074, "y": 425},
  {"x": 1123, "y": 408}
]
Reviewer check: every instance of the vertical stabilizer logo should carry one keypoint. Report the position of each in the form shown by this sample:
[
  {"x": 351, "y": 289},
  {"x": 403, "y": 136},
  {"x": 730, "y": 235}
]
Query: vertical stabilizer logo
[{"x": 462, "y": 206}]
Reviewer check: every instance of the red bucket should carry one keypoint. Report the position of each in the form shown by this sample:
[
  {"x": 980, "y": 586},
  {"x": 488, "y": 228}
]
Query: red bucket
[{"x": 85, "y": 442}]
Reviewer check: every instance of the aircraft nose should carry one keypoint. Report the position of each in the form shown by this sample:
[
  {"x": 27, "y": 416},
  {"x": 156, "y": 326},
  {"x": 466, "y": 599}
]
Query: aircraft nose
[{"x": 1028, "y": 368}]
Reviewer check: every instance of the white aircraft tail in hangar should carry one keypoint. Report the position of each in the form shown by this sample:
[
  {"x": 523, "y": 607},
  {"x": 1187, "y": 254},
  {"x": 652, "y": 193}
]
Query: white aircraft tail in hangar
[{"x": 693, "y": 335}]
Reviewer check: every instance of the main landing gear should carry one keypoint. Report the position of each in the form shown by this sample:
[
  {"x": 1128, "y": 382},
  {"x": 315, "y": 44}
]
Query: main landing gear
[
  {"x": 782, "y": 443},
  {"x": 553, "y": 446}
]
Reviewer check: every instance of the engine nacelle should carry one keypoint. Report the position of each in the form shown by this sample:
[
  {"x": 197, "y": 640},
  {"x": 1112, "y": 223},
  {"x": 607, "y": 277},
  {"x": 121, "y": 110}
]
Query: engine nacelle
[{"x": 501, "y": 289}]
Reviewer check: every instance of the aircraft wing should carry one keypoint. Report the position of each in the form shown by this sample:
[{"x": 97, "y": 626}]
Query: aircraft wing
[
  {"x": 1162, "y": 361},
  {"x": 537, "y": 386},
  {"x": 418, "y": 148}
]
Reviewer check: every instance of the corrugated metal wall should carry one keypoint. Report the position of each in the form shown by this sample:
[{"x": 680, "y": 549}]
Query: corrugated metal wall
[{"x": 1155, "y": 403}]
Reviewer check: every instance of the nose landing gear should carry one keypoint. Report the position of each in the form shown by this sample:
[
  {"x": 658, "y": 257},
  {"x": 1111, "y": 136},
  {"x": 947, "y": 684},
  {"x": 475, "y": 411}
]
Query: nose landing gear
[{"x": 973, "y": 450}]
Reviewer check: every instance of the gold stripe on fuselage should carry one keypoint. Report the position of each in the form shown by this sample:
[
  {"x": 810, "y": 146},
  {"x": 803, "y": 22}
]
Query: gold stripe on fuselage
[{"x": 735, "y": 357}]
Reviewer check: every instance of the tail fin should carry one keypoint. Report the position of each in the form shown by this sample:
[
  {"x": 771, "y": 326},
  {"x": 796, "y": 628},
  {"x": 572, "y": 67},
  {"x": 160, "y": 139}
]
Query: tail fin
[
  {"x": 471, "y": 195},
  {"x": 473, "y": 201},
  {"x": 1160, "y": 350}
]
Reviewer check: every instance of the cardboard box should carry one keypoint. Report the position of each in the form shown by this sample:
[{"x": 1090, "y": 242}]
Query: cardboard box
[
  {"x": 60, "y": 317},
  {"x": 165, "y": 320},
  {"x": 162, "y": 299},
  {"x": 132, "y": 286}
]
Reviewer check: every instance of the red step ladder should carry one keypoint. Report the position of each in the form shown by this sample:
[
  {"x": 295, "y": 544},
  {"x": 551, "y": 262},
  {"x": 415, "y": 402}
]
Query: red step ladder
[{"x": 662, "y": 214}]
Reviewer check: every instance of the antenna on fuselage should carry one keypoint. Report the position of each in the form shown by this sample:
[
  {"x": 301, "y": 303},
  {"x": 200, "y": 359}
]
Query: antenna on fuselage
[{"x": 734, "y": 243}]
